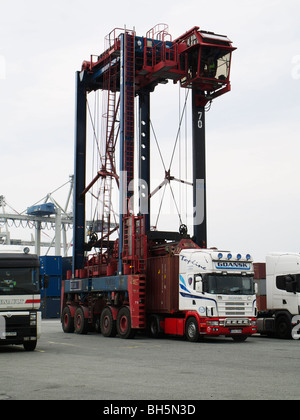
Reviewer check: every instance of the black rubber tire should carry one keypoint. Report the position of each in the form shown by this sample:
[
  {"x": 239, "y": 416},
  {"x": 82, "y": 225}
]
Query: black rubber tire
[
  {"x": 67, "y": 321},
  {"x": 80, "y": 322},
  {"x": 97, "y": 324},
  {"x": 154, "y": 330},
  {"x": 30, "y": 345},
  {"x": 283, "y": 328},
  {"x": 124, "y": 328},
  {"x": 192, "y": 330},
  {"x": 107, "y": 323}
]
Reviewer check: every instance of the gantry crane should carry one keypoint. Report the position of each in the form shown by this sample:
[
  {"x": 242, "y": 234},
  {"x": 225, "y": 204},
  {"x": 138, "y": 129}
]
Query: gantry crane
[
  {"x": 115, "y": 288},
  {"x": 133, "y": 66}
]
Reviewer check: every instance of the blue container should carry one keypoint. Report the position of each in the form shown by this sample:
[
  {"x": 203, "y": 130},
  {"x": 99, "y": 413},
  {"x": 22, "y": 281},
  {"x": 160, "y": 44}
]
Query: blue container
[
  {"x": 66, "y": 266},
  {"x": 50, "y": 307},
  {"x": 52, "y": 266}
]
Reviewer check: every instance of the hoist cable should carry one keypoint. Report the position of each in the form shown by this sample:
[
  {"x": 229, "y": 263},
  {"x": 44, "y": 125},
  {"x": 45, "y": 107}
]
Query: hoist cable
[
  {"x": 179, "y": 128},
  {"x": 93, "y": 127},
  {"x": 160, "y": 206},
  {"x": 159, "y": 150},
  {"x": 183, "y": 113},
  {"x": 179, "y": 215}
]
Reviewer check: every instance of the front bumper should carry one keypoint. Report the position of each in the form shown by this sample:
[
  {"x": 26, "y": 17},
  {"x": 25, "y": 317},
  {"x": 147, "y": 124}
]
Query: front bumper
[
  {"x": 19, "y": 327},
  {"x": 228, "y": 326}
]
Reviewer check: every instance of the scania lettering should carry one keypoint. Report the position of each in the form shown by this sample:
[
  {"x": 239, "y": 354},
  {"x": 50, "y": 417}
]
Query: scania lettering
[{"x": 20, "y": 318}]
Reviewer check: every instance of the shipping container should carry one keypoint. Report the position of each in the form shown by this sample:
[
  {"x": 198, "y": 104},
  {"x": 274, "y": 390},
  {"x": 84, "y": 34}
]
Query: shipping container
[
  {"x": 259, "y": 271},
  {"x": 260, "y": 280},
  {"x": 162, "y": 284}
]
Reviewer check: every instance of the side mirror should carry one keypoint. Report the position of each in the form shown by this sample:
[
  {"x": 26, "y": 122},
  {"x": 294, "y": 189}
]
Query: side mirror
[{"x": 291, "y": 284}]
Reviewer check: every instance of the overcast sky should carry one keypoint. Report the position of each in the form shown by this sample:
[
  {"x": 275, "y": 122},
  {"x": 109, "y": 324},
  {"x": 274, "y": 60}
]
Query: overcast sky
[{"x": 252, "y": 133}]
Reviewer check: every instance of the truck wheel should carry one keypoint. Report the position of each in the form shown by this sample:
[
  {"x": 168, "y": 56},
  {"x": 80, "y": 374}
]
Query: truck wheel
[
  {"x": 283, "y": 328},
  {"x": 124, "y": 328},
  {"x": 67, "y": 321},
  {"x": 80, "y": 322},
  {"x": 154, "y": 327},
  {"x": 192, "y": 330},
  {"x": 29, "y": 345},
  {"x": 97, "y": 324},
  {"x": 108, "y": 325}
]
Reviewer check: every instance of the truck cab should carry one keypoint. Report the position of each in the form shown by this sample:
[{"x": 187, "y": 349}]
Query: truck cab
[
  {"x": 282, "y": 309},
  {"x": 20, "y": 318},
  {"x": 218, "y": 287},
  {"x": 283, "y": 282}
]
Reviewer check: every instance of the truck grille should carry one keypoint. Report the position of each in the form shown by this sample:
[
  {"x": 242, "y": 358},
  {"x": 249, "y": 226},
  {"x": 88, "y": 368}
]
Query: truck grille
[
  {"x": 17, "y": 321},
  {"x": 234, "y": 308},
  {"x": 17, "y": 327}
]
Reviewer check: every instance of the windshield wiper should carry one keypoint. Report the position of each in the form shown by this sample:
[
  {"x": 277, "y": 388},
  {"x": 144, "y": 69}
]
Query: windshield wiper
[{"x": 237, "y": 291}]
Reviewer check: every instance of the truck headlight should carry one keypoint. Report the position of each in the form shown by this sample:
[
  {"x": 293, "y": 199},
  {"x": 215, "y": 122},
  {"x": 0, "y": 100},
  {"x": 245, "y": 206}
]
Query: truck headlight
[{"x": 213, "y": 323}]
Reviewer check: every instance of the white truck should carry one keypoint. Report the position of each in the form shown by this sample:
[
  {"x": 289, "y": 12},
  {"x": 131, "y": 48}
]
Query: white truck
[
  {"x": 281, "y": 313},
  {"x": 219, "y": 287},
  {"x": 20, "y": 318}
]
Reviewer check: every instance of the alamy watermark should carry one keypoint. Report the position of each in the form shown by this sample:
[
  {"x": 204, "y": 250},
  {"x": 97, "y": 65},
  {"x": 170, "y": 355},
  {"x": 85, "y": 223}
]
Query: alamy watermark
[{"x": 140, "y": 189}]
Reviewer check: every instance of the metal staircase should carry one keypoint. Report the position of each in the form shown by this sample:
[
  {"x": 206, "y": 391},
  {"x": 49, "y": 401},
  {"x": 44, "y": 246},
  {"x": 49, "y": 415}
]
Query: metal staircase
[{"x": 129, "y": 109}]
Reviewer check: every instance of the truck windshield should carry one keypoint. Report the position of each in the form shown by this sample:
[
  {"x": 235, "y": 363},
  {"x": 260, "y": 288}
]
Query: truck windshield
[
  {"x": 229, "y": 285},
  {"x": 19, "y": 281}
]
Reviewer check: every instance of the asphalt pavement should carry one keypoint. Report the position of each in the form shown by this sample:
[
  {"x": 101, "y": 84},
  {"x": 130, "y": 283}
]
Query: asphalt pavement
[{"x": 92, "y": 367}]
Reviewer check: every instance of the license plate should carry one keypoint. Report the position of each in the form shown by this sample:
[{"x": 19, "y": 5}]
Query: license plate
[
  {"x": 236, "y": 331},
  {"x": 11, "y": 334}
]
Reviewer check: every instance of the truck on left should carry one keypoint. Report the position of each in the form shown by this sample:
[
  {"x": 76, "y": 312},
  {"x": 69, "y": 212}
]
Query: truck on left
[{"x": 20, "y": 299}]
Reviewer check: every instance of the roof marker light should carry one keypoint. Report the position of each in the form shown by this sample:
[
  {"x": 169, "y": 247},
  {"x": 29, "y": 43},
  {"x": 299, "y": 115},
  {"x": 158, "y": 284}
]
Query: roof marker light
[
  {"x": 229, "y": 256},
  {"x": 238, "y": 256},
  {"x": 248, "y": 256},
  {"x": 220, "y": 255}
]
